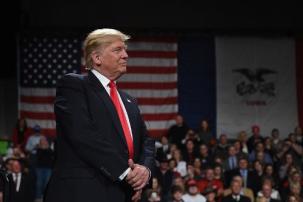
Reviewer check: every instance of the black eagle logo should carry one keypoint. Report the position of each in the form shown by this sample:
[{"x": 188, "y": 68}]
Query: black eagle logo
[
  {"x": 256, "y": 82},
  {"x": 254, "y": 76}
]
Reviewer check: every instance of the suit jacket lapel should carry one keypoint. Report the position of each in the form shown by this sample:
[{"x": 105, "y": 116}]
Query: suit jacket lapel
[
  {"x": 130, "y": 112},
  {"x": 103, "y": 95}
]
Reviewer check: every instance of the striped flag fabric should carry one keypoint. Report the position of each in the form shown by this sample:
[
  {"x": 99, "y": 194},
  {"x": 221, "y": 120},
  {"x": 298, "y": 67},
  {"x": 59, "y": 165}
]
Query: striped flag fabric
[{"x": 151, "y": 78}]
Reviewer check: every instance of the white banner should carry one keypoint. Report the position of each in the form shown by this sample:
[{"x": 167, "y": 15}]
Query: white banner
[{"x": 255, "y": 85}]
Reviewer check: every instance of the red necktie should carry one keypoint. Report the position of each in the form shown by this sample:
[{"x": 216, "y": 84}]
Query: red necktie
[{"x": 115, "y": 98}]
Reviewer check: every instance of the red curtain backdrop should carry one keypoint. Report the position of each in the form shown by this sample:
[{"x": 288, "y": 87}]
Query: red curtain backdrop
[{"x": 299, "y": 64}]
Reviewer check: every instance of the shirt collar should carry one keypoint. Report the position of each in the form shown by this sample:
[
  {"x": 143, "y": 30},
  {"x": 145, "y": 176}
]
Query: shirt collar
[{"x": 104, "y": 80}]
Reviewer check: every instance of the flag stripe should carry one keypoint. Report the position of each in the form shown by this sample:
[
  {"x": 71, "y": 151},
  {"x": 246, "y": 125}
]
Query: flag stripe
[
  {"x": 159, "y": 124},
  {"x": 154, "y": 62},
  {"x": 152, "y": 54},
  {"x": 36, "y": 107},
  {"x": 151, "y": 70},
  {"x": 27, "y": 91},
  {"x": 148, "y": 78},
  {"x": 48, "y": 124},
  {"x": 38, "y": 115},
  {"x": 158, "y": 132},
  {"x": 156, "y": 109},
  {"x": 159, "y": 117},
  {"x": 141, "y": 85},
  {"x": 144, "y": 108},
  {"x": 157, "y": 101},
  {"x": 37, "y": 99},
  {"x": 45, "y": 92},
  {"x": 151, "y": 46},
  {"x": 143, "y": 93}
]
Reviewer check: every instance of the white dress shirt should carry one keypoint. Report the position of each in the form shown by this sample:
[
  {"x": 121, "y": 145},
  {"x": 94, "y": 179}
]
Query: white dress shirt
[
  {"x": 105, "y": 81},
  {"x": 17, "y": 180}
]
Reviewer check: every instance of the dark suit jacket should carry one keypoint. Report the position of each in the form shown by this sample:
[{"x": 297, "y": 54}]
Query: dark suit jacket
[
  {"x": 91, "y": 148},
  {"x": 253, "y": 180},
  {"x": 26, "y": 190},
  {"x": 229, "y": 198}
]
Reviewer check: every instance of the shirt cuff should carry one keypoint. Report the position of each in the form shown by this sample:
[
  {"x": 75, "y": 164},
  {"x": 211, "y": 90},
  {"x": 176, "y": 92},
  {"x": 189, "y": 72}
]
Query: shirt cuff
[
  {"x": 149, "y": 175},
  {"x": 124, "y": 174}
]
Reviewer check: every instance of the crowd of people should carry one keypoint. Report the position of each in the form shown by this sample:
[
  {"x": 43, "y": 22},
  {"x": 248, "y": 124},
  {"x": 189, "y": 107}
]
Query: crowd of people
[
  {"x": 28, "y": 163},
  {"x": 195, "y": 166},
  {"x": 191, "y": 165}
]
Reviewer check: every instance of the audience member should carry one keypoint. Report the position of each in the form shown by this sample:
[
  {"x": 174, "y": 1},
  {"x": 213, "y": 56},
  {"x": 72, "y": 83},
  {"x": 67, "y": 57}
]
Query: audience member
[
  {"x": 244, "y": 191},
  {"x": 255, "y": 138},
  {"x": 235, "y": 195},
  {"x": 222, "y": 146},
  {"x": 22, "y": 184},
  {"x": 177, "y": 132},
  {"x": 192, "y": 194},
  {"x": 20, "y": 134},
  {"x": 204, "y": 132},
  {"x": 176, "y": 194},
  {"x": 267, "y": 194}
]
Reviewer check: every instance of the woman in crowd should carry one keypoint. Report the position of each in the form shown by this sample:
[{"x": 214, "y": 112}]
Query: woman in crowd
[
  {"x": 20, "y": 133},
  {"x": 204, "y": 132},
  {"x": 181, "y": 165},
  {"x": 242, "y": 137},
  {"x": 287, "y": 163}
]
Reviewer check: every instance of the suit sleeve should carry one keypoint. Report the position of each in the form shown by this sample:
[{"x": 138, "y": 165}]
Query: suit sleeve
[
  {"x": 77, "y": 128},
  {"x": 147, "y": 157}
]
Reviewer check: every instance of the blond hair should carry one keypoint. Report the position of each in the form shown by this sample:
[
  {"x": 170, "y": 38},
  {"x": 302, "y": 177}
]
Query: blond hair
[{"x": 100, "y": 38}]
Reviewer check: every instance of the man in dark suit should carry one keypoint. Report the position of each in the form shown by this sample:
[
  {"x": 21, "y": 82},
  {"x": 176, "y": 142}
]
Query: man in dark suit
[
  {"x": 231, "y": 162},
  {"x": 21, "y": 184},
  {"x": 236, "y": 195},
  {"x": 250, "y": 178},
  {"x": 103, "y": 149}
]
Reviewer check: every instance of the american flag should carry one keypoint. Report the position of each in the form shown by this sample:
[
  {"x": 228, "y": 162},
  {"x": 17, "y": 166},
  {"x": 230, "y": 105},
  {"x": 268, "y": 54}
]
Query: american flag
[{"x": 151, "y": 78}]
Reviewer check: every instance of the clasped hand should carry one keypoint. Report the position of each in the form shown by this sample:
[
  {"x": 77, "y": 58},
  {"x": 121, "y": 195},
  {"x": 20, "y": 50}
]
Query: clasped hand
[{"x": 137, "y": 178}]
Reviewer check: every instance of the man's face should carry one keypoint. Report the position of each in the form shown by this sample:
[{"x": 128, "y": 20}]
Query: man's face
[
  {"x": 238, "y": 179},
  {"x": 243, "y": 164},
  {"x": 223, "y": 139},
  {"x": 259, "y": 147},
  {"x": 179, "y": 120},
  {"x": 164, "y": 165},
  {"x": 255, "y": 130},
  {"x": 16, "y": 167},
  {"x": 275, "y": 134},
  {"x": 231, "y": 151},
  {"x": 203, "y": 149},
  {"x": 236, "y": 187},
  {"x": 260, "y": 156},
  {"x": 193, "y": 190},
  {"x": 209, "y": 175},
  {"x": 113, "y": 59},
  {"x": 266, "y": 189}
]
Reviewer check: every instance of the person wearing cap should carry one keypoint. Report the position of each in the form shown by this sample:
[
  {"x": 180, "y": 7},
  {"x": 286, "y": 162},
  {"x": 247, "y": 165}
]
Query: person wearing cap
[
  {"x": 33, "y": 140},
  {"x": 165, "y": 177},
  {"x": 193, "y": 194}
]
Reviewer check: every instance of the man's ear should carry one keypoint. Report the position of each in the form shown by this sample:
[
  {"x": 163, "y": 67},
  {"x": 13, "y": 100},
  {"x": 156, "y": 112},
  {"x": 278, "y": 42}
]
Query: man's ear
[{"x": 96, "y": 57}]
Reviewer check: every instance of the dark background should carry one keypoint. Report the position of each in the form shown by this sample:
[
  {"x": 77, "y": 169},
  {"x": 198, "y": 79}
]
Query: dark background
[
  {"x": 163, "y": 17},
  {"x": 186, "y": 19}
]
